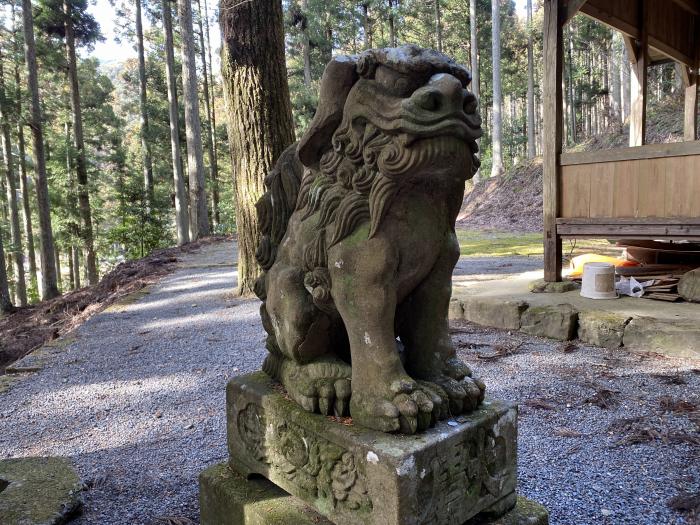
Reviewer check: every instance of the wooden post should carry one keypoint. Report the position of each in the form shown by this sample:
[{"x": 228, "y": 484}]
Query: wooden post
[
  {"x": 638, "y": 51},
  {"x": 552, "y": 136},
  {"x": 690, "y": 121}
]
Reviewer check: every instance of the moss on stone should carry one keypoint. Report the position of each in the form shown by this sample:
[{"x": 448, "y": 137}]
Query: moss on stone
[{"x": 42, "y": 490}]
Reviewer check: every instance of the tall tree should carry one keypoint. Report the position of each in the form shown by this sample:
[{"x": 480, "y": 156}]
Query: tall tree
[
  {"x": 23, "y": 185},
  {"x": 208, "y": 109},
  {"x": 474, "y": 50},
  {"x": 143, "y": 106},
  {"x": 392, "y": 23},
  {"x": 531, "y": 150},
  {"x": 305, "y": 41},
  {"x": 199, "y": 222},
  {"x": 438, "y": 24},
  {"x": 11, "y": 188},
  {"x": 497, "y": 160},
  {"x": 49, "y": 288},
  {"x": 212, "y": 127},
  {"x": 181, "y": 212},
  {"x": 259, "y": 115},
  {"x": 79, "y": 141}
]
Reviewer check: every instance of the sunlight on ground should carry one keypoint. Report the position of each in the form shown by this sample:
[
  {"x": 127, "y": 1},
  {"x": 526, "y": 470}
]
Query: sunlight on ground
[{"x": 494, "y": 243}]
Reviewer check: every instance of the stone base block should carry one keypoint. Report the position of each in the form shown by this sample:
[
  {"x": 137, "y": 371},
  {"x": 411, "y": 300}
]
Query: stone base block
[
  {"x": 355, "y": 476},
  {"x": 226, "y": 498}
]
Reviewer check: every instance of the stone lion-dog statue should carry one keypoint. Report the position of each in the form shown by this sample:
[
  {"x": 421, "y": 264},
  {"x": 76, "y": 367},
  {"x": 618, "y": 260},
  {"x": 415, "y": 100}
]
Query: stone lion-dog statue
[{"x": 359, "y": 244}]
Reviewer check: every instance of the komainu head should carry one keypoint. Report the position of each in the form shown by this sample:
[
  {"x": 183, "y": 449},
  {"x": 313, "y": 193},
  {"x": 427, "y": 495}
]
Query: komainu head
[{"x": 386, "y": 118}]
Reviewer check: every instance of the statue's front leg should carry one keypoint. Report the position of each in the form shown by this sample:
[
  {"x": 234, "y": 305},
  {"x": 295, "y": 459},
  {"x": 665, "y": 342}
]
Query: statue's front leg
[
  {"x": 424, "y": 330},
  {"x": 384, "y": 397}
]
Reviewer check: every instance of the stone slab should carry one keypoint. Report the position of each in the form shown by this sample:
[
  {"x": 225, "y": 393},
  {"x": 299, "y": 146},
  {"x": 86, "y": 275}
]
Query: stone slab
[
  {"x": 557, "y": 321},
  {"x": 680, "y": 339},
  {"x": 38, "y": 491},
  {"x": 227, "y": 498},
  {"x": 604, "y": 329},
  {"x": 356, "y": 476},
  {"x": 499, "y": 314}
]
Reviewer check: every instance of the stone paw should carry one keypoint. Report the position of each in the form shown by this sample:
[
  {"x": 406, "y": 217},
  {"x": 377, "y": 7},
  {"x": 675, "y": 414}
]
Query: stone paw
[
  {"x": 461, "y": 395},
  {"x": 404, "y": 406},
  {"x": 322, "y": 386}
]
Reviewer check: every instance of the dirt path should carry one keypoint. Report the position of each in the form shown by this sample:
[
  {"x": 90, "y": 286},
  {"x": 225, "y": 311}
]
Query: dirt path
[{"x": 136, "y": 399}]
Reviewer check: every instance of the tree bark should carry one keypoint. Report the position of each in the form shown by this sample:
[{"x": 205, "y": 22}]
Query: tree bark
[
  {"x": 5, "y": 301},
  {"x": 474, "y": 33},
  {"x": 259, "y": 115},
  {"x": 367, "y": 25},
  {"x": 199, "y": 222},
  {"x": 16, "y": 252},
  {"x": 209, "y": 132},
  {"x": 181, "y": 211},
  {"x": 57, "y": 258},
  {"x": 531, "y": 147},
  {"x": 75, "y": 256},
  {"x": 145, "y": 144},
  {"x": 48, "y": 271},
  {"x": 497, "y": 163},
  {"x": 438, "y": 24},
  {"x": 79, "y": 145}
]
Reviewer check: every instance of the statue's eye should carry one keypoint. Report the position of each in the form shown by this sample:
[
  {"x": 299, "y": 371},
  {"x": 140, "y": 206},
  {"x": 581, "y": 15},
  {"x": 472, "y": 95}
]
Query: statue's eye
[
  {"x": 394, "y": 82},
  {"x": 403, "y": 86}
]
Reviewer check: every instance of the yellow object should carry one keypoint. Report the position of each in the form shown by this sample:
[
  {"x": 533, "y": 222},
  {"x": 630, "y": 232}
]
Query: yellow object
[{"x": 578, "y": 262}]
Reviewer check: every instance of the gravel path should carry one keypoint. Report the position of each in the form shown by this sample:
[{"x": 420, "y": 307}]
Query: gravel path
[{"x": 137, "y": 401}]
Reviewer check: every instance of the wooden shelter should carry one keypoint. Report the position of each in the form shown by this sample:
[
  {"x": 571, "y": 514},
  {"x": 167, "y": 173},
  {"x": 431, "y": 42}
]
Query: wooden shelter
[{"x": 639, "y": 192}]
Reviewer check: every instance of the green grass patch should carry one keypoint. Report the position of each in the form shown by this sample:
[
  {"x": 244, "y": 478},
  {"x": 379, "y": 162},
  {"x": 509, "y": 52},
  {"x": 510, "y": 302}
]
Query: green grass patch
[{"x": 493, "y": 243}]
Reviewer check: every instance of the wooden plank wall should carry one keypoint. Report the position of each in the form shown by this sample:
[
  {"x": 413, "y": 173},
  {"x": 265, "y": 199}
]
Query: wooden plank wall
[{"x": 659, "y": 187}]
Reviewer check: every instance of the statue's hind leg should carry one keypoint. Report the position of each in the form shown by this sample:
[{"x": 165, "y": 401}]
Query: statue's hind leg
[
  {"x": 304, "y": 345},
  {"x": 424, "y": 330}
]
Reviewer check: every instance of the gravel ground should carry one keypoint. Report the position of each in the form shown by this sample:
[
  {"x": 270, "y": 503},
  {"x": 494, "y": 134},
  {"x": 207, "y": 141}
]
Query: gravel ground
[
  {"x": 605, "y": 437},
  {"x": 137, "y": 400}
]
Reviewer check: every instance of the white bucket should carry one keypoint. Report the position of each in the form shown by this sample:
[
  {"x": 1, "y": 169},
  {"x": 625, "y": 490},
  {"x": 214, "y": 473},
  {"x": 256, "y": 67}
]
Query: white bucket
[{"x": 598, "y": 281}]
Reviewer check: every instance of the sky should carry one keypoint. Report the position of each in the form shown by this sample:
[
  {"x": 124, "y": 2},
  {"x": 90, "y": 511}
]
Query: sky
[{"x": 110, "y": 51}]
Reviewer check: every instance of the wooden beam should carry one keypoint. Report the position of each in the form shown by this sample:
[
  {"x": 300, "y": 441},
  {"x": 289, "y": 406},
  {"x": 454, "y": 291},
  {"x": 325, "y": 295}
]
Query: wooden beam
[
  {"x": 648, "y": 151},
  {"x": 638, "y": 51},
  {"x": 690, "y": 119},
  {"x": 572, "y": 7},
  {"x": 597, "y": 13},
  {"x": 692, "y": 6},
  {"x": 553, "y": 53},
  {"x": 629, "y": 228}
]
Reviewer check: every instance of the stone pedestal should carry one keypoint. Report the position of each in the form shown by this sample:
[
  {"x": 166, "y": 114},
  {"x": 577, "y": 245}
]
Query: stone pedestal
[
  {"x": 227, "y": 498},
  {"x": 354, "y": 476}
]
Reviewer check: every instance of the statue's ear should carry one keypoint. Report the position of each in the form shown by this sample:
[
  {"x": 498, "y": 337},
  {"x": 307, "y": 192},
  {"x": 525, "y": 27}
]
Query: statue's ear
[{"x": 338, "y": 78}]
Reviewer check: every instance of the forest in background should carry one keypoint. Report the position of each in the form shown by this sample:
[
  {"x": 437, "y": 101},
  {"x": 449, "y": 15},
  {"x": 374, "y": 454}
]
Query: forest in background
[{"x": 110, "y": 162}]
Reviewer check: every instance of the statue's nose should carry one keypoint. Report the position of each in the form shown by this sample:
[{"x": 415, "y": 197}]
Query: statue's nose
[{"x": 443, "y": 92}]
